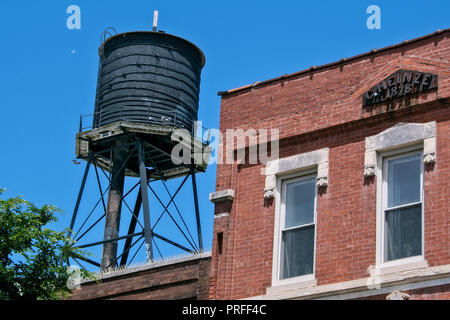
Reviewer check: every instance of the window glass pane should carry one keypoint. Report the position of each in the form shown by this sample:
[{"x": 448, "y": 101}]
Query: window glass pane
[
  {"x": 403, "y": 233},
  {"x": 300, "y": 197},
  {"x": 404, "y": 180},
  {"x": 297, "y": 252}
]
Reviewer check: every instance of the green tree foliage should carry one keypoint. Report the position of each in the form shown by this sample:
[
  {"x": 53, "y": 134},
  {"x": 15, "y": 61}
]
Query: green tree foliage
[{"x": 33, "y": 258}]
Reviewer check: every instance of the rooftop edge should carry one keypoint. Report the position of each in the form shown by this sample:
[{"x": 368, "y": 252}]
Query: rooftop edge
[{"x": 335, "y": 63}]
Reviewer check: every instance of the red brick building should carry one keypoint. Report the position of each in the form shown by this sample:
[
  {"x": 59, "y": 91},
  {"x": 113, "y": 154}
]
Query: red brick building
[{"x": 357, "y": 204}]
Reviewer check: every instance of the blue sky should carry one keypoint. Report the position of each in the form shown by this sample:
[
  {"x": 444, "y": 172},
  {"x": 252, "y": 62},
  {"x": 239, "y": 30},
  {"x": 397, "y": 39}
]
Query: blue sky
[{"x": 49, "y": 72}]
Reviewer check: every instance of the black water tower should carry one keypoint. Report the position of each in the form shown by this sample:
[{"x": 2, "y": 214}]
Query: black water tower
[
  {"x": 147, "y": 87},
  {"x": 148, "y": 77}
]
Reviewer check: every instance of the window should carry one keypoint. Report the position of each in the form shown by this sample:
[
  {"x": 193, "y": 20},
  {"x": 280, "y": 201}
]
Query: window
[
  {"x": 293, "y": 182},
  {"x": 393, "y": 157},
  {"x": 402, "y": 205},
  {"x": 297, "y": 225}
]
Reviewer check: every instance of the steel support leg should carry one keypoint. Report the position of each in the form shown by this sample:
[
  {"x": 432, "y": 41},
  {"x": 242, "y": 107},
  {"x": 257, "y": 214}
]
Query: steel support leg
[
  {"x": 137, "y": 208},
  {"x": 80, "y": 194},
  {"x": 197, "y": 211},
  {"x": 114, "y": 206},
  {"x": 148, "y": 234}
]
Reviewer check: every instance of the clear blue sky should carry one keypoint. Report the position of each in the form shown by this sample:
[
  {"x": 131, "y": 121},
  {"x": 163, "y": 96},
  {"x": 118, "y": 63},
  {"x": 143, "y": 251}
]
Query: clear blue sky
[{"x": 49, "y": 72}]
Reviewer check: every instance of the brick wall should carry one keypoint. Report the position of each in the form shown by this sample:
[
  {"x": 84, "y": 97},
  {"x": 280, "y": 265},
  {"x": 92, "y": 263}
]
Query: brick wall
[
  {"x": 179, "y": 279},
  {"x": 319, "y": 109}
]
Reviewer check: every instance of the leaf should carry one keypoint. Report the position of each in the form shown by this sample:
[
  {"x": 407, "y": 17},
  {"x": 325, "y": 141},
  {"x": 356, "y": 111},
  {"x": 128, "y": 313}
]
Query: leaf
[{"x": 33, "y": 258}]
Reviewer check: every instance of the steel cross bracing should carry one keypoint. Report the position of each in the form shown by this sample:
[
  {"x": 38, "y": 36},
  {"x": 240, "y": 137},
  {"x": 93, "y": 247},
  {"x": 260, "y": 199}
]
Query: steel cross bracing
[{"x": 146, "y": 234}]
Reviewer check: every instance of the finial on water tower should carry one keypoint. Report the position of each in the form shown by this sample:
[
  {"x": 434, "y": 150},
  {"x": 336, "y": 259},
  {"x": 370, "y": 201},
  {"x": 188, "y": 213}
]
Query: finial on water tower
[{"x": 155, "y": 20}]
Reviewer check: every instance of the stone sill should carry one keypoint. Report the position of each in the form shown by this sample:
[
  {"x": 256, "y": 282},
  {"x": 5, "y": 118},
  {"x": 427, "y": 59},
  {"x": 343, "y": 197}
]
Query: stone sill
[{"x": 366, "y": 286}]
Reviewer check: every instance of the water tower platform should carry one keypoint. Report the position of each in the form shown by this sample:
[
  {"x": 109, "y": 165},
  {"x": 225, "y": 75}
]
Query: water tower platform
[{"x": 157, "y": 143}]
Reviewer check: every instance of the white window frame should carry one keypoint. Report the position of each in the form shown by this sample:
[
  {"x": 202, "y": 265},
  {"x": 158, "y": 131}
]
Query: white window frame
[
  {"x": 281, "y": 210},
  {"x": 397, "y": 139},
  {"x": 286, "y": 168},
  {"x": 382, "y": 158}
]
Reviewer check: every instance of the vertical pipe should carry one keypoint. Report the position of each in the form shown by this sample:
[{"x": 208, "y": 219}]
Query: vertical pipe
[
  {"x": 114, "y": 206},
  {"x": 145, "y": 205},
  {"x": 155, "y": 20},
  {"x": 197, "y": 211}
]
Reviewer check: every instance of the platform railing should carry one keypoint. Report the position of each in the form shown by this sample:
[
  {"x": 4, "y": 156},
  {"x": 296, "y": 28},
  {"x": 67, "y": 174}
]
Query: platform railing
[{"x": 168, "y": 118}]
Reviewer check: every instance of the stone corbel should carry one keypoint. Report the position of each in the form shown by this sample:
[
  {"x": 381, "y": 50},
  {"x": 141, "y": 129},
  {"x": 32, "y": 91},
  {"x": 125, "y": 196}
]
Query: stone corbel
[
  {"x": 370, "y": 162},
  {"x": 369, "y": 171},
  {"x": 269, "y": 193},
  {"x": 398, "y": 295},
  {"x": 322, "y": 173},
  {"x": 269, "y": 189},
  {"x": 322, "y": 182},
  {"x": 222, "y": 196},
  {"x": 429, "y": 158},
  {"x": 429, "y": 150}
]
